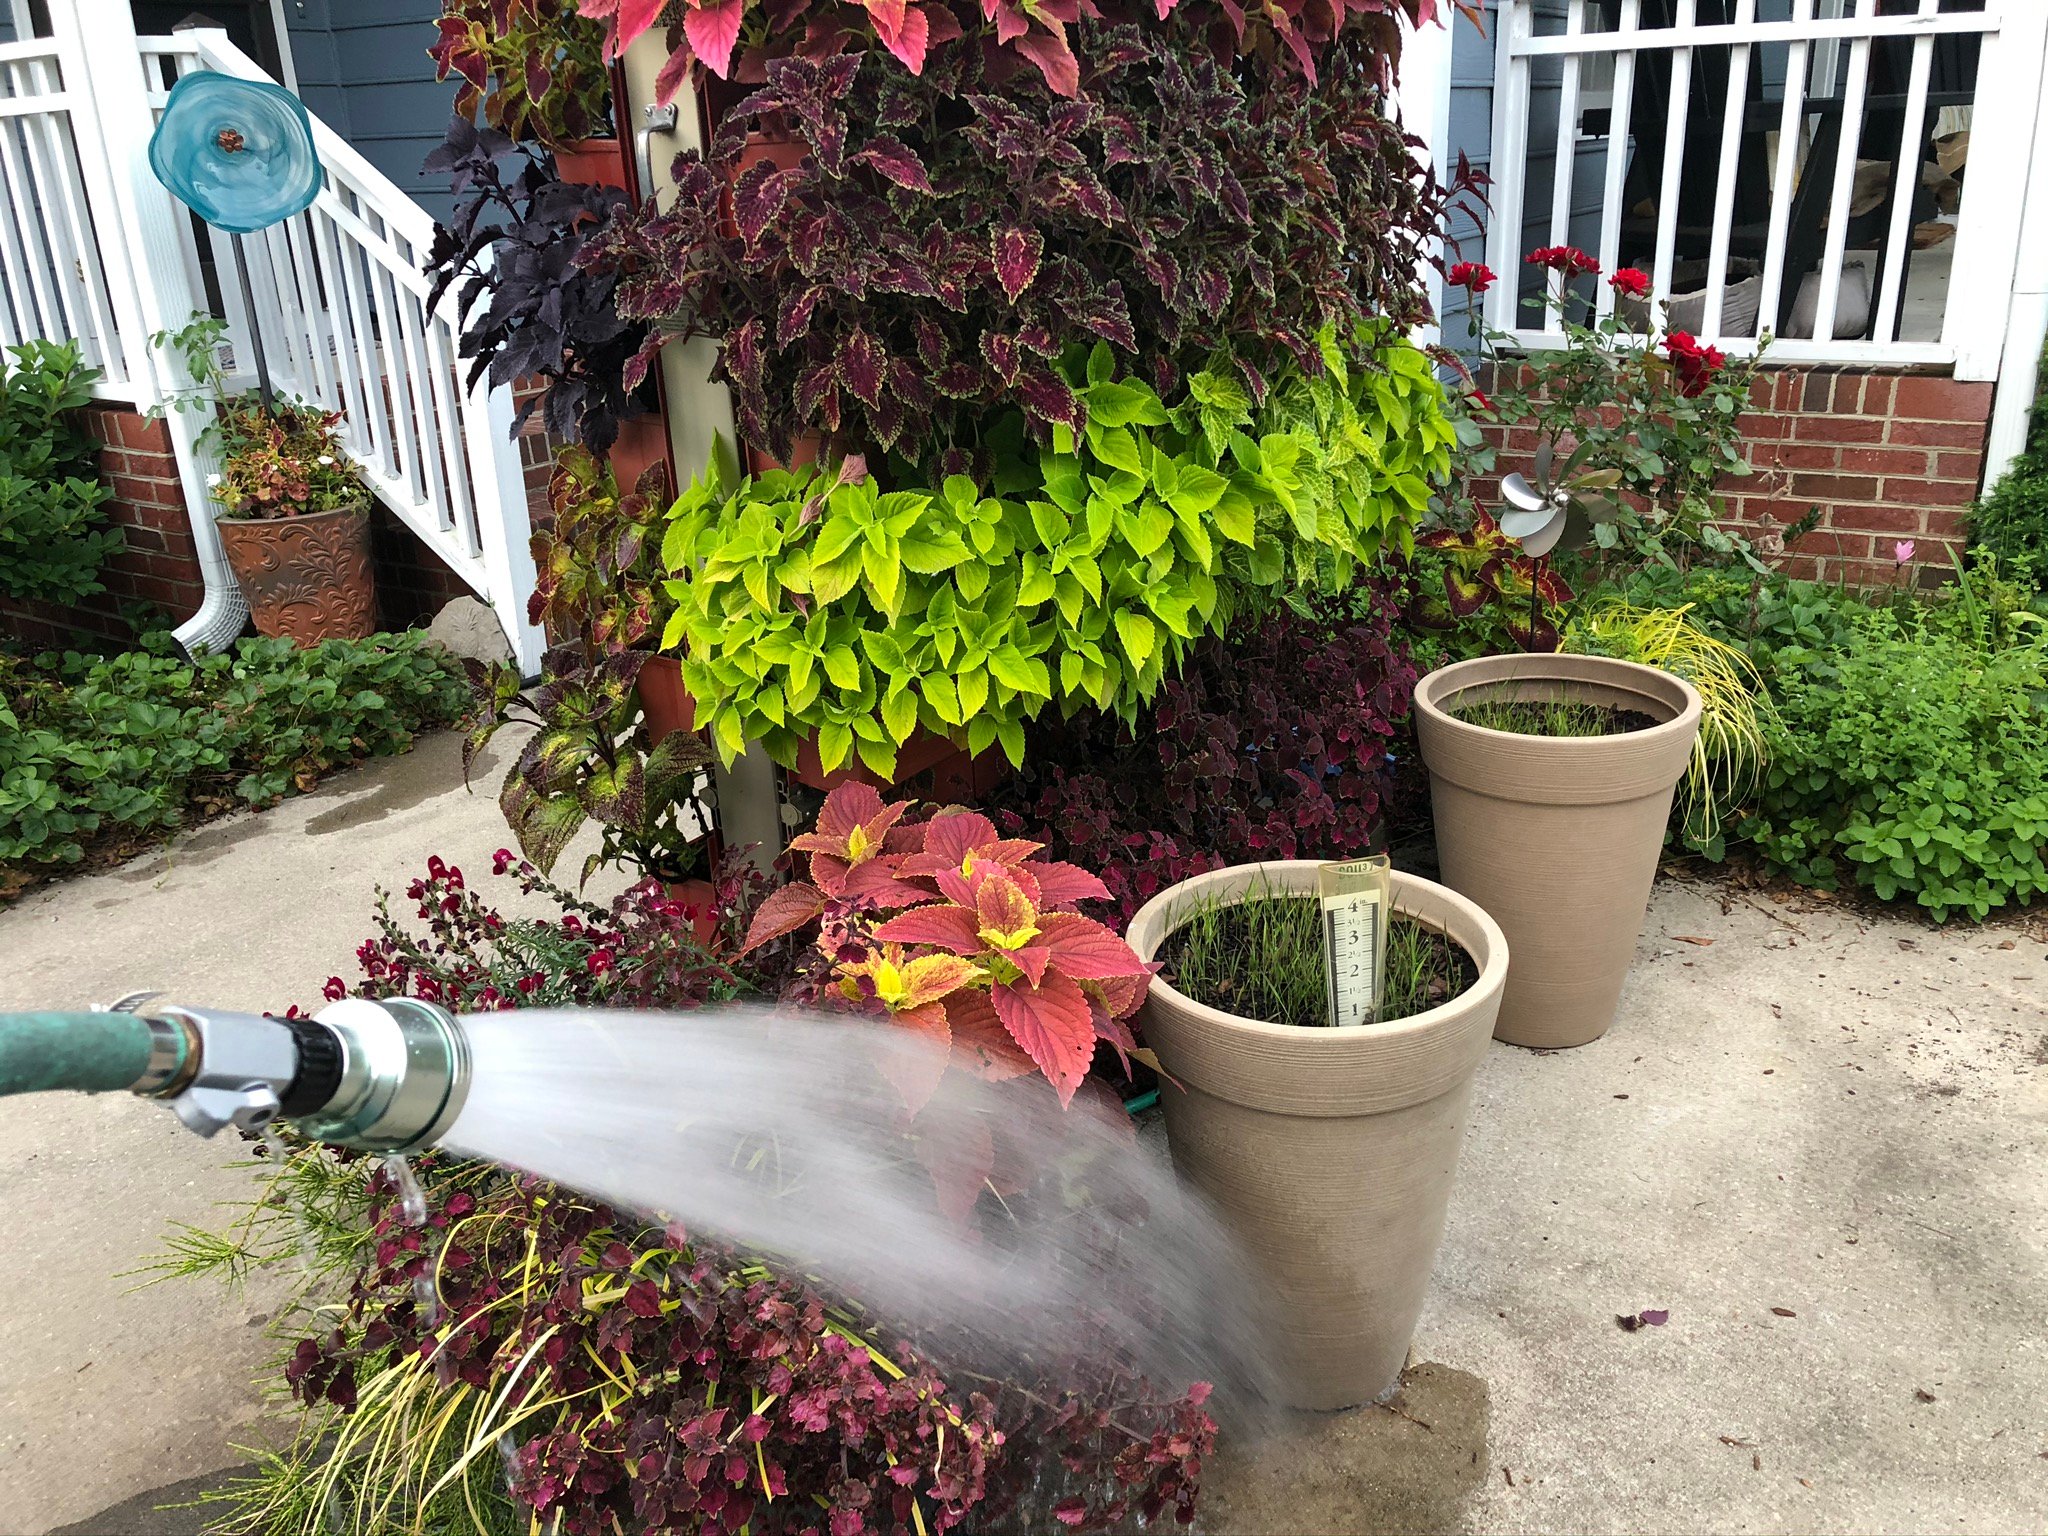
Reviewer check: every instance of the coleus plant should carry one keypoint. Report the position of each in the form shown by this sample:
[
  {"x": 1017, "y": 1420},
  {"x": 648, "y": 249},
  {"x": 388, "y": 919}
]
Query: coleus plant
[
  {"x": 969, "y": 938},
  {"x": 535, "y": 68},
  {"x": 814, "y": 605},
  {"x": 1487, "y": 578},
  {"x": 928, "y": 261},
  {"x": 718, "y": 35}
]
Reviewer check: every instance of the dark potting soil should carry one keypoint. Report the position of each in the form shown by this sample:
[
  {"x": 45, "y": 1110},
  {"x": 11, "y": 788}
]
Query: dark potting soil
[{"x": 1552, "y": 717}]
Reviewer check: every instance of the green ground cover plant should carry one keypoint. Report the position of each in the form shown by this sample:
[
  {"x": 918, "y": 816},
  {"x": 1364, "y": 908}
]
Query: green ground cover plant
[
  {"x": 1908, "y": 750},
  {"x": 95, "y": 750},
  {"x": 53, "y": 533}
]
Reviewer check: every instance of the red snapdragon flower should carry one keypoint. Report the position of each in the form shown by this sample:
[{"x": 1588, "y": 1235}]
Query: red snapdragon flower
[
  {"x": 1695, "y": 365},
  {"x": 1632, "y": 281},
  {"x": 1568, "y": 259},
  {"x": 1476, "y": 275}
]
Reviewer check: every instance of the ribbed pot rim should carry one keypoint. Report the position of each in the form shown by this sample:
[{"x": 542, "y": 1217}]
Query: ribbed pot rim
[
  {"x": 353, "y": 509},
  {"x": 1493, "y": 964},
  {"x": 1653, "y": 684}
]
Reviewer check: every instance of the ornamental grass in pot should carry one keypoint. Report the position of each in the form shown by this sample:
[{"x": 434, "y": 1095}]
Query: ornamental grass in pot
[
  {"x": 1551, "y": 779},
  {"x": 1328, "y": 1151}
]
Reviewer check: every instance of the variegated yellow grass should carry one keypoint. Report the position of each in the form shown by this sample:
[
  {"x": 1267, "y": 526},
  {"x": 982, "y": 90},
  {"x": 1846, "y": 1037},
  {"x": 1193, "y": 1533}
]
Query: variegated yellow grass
[{"x": 1733, "y": 744}]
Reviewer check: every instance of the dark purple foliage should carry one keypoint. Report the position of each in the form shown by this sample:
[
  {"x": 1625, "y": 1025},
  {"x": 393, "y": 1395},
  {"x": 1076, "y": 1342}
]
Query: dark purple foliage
[
  {"x": 517, "y": 242},
  {"x": 1273, "y": 744}
]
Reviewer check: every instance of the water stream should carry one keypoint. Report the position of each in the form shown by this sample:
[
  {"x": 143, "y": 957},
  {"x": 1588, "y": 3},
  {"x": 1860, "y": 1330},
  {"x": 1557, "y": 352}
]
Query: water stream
[{"x": 785, "y": 1136}]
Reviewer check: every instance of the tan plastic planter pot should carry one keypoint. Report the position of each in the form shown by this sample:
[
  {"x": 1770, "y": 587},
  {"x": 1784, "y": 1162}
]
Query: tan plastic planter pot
[
  {"x": 1328, "y": 1153},
  {"x": 1557, "y": 837}
]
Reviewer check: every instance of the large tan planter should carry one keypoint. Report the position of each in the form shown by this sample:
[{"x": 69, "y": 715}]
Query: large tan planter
[
  {"x": 1557, "y": 837},
  {"x": 1328, "y": 1153},
  {"x": 307, "y": 578}
]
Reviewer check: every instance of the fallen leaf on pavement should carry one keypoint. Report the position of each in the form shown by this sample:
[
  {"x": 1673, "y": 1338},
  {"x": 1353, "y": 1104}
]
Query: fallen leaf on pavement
[{"x": 1783, "y": 1312}]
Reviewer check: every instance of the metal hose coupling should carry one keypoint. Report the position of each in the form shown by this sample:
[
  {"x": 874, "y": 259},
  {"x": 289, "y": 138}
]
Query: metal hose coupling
[{"x": 379, "y": 1076}]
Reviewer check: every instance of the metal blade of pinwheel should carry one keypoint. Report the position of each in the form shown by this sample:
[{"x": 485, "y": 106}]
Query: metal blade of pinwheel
[
  {"x": 1522, "y": 494},
  {"x": 239, "y": 153}
]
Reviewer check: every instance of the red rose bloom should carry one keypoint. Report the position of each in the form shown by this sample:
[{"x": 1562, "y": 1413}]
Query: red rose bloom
[
  {"x": 1695, "y": 365},
  {"x": 1632, "y": 281},
  {"x": 1568, "y": 259},
  {"x": 1475, "y": 275},
  {"x": 1476, "y": 400}
]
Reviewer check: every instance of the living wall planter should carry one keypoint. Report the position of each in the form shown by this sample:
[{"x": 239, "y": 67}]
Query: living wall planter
[
  {"x": 1556, "y": 837},
  {"x": 307, "y": 578},
  {"x": 1329, "y": 1153}
]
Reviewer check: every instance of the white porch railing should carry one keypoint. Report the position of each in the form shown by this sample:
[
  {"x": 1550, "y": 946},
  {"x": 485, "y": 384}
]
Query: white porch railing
[
  {"x": 92, "y": 248},
  {"x": 1774, "y": 170}
]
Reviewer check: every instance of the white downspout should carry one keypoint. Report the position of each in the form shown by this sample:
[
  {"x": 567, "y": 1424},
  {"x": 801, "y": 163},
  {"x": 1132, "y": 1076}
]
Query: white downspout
[{"x": 98, "y": 42}]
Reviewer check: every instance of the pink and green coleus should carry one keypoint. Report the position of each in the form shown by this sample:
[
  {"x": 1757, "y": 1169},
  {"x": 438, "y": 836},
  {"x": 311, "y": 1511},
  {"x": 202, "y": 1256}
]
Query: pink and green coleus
[
  {"x": 964, "y": 936},
  {"x": 709, "y": 33}
]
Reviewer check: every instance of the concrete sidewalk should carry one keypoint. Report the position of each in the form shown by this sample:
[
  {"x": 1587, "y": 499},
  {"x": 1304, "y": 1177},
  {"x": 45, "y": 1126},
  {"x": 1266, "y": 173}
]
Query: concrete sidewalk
[{"x": 1841, "y": 1118}]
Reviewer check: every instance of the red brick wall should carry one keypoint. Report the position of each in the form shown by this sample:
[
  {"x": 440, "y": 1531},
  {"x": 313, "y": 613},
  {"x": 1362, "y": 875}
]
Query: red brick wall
[
  {"x": 160, "y": 566},
  {"x": 1886, "y": 455}
]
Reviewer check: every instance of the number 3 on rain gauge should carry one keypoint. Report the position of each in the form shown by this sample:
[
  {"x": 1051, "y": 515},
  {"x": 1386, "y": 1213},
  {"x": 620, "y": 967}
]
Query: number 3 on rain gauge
[{"x": 1356, "y": 897}]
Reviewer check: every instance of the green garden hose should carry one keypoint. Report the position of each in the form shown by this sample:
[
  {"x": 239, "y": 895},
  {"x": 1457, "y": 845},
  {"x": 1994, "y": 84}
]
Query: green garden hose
[{"x": 85, "y": 1052}]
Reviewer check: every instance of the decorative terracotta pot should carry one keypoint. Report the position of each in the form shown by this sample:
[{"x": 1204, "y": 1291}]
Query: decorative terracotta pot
[
  {"x": 595, "y": 162},
  {"x": 307, "y": 578},
  {"x": 1558, "y": 837},
  {"x": 1327, "y": 1152},
  {"x": 955, "y": 775},
  {"x": 663, "y": 699}
]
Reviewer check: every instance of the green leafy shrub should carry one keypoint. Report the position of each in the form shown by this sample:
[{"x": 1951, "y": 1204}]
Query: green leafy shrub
[
  {"x": 2011, "y": 519},
  {"x": 53, "y": 533},
  {"x": 813, "y": 604},
  {"x": 97, "y": 746}
]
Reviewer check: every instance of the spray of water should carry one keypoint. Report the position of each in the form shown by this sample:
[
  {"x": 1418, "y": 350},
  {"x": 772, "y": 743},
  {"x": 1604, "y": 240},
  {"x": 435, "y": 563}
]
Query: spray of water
[{"x": 786, "y": 1136}]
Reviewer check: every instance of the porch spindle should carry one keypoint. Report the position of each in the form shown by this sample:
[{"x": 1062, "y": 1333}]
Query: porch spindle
[
  {"x": 1732, "y": 114},
  {"x": 1564, "y": 155},
  {"x": 1674, "y": 159},
  {"x": 1906, "y": 183},
  {"x": 1784, "y": 171},
  {"x": 1617, "y": 152},
  {"x": 1843, "y": 188}
]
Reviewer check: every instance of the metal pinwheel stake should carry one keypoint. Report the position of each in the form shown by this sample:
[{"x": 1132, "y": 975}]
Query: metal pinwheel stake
[
  {"x": 239, "y": 153},
  {"x": 1546, "y": 511}
]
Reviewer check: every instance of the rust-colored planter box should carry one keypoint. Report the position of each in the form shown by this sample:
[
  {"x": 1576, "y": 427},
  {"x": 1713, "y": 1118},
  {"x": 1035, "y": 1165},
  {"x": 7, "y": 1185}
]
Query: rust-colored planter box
[
  {"x": 307, "y": 578},
  {"x": 593, "y": 162},
  {"x": 1328, "y": 1153}
]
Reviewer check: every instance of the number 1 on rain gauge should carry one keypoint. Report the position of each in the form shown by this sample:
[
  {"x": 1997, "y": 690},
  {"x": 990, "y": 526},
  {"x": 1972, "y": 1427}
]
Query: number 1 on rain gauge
[{"x": 1356, "y": 897}]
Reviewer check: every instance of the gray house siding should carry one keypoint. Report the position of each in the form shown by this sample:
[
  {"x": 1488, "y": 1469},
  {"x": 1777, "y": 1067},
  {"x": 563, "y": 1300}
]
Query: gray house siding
[{"x": 363, "y": 68}]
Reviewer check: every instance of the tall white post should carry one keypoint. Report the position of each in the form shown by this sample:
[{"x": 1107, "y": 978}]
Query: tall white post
[{"x": 1422, "y": 94}]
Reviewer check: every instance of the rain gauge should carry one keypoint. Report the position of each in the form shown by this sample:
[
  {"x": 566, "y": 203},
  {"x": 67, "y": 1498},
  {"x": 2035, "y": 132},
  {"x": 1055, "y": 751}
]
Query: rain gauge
[{"x": 1357, "y": 899}]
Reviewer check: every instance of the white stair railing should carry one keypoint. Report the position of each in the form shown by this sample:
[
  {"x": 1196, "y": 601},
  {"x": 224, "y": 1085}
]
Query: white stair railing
[
  {"x": 341, "y": 301},
  {"x": 93, "y": 249}
]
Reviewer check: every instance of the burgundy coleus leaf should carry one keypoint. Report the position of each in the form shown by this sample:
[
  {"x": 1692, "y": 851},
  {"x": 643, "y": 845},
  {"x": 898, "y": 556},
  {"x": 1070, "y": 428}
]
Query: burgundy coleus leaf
[
  {"x": 860, "y": 367},
  {"x": 1464, "y": 594},
  {"x": 785, "y": 911},
  {"x": 1002, "y": 354},
  {"x": 1049, "y": 398},
  {"x": 1051, "y": 1023},
  {"x": 797, "y": 307},
  {"x": 981, "y": 1045},
  {"x": 897, "y": 161},
  {"x": 1061, "y": 884},
  {"x": 1016, "y": 254},
  {"x": 760, "y": 194},
  {"x": 712, "y": 31},
  {"x": 1086, "y": 950},
  {"x": 944, "y": 925}
]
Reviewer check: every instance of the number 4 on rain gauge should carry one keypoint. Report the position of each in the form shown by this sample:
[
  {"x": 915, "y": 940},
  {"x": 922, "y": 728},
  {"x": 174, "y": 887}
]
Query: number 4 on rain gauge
[{"x": 1357, "y": 896}]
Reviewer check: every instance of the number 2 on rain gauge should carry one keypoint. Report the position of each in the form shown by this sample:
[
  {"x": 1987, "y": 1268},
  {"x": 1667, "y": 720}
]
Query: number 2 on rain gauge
[{"x": 1355, "y": 898}]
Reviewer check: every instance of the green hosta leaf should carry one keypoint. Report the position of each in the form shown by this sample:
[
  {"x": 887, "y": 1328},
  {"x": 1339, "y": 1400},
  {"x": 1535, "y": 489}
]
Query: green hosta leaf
[
  {"x": 1146, "y": 526},
  {"x": 899, "y": 713},
  {"x": 834, "y": 742},
  {"x": 1026, "y": 674},
  {"x": 930, "y": 556},
  {"x": 1138, "y": 636}
]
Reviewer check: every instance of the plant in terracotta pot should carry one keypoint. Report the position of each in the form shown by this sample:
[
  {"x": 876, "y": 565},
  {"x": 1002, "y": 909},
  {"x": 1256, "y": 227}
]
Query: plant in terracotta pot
[
  {"x": 613, "y": 741},
  {"x": 1328, "y": 1149},
  {"x": 535, "y": 71},
  {"x": 295, "y": 522}
]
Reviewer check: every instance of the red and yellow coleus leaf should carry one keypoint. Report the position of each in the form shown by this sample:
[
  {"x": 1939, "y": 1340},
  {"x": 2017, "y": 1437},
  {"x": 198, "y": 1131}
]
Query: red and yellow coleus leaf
[{"x": 1052, "y": 1024}]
